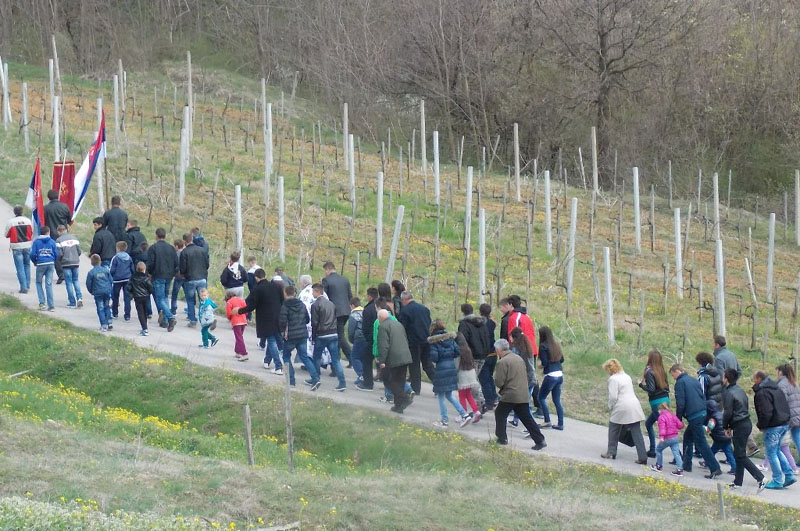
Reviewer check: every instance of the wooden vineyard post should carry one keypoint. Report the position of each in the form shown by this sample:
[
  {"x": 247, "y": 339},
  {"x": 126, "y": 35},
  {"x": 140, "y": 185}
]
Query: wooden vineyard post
[
  {"x": 281, "y": 222},
  {"x": 797, "y": 206},
  {"x": 345, "y": 136},
  {"x": 715, "y": 183},
  {"x": 720, "y": 309},
  {"x": 422, "y": 141},
  {"x": 547, "y": 214},
  {"x": 770, "y": 256},
  {"x": 570, "y": 268},
  {"x": 25, "y": 131},
  {"x": 287, "y": 403},
  {"x": 56, "y": 130},
  {"x": 350, "y": 157},
  {"x": 248, "y": 434}
]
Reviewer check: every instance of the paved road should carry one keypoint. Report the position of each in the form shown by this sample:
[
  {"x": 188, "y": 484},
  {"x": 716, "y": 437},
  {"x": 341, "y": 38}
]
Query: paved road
[{"x": 580, "y": 441}]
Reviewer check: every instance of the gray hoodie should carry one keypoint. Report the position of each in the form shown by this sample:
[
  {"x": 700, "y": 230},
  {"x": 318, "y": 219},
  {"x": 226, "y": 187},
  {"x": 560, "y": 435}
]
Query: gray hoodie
[{"x": 69, "y": 250}]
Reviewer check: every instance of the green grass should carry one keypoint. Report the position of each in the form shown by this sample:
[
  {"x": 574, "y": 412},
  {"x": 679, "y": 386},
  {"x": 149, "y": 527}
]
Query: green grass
[{"x": 148, "y": 432}]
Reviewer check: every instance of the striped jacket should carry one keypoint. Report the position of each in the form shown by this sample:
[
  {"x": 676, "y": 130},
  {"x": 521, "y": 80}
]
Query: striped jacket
[{"x": 69, "y": 250}]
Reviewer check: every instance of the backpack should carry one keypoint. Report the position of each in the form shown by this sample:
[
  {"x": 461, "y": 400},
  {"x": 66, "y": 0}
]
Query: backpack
[{"x": 207, "y": 316}]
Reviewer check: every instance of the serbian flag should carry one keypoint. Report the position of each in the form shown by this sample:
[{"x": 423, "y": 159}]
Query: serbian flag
[
  {"x": 35, "y": 201},
  {"x": 83, "y": 177}
]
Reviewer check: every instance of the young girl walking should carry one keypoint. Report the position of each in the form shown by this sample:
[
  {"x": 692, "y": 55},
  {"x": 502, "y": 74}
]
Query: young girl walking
[
  {"x": 668, "y": 426},
  {"x": 444, "y": 350},
  {"x": 207, "y": 319},
  {"x": 238, "y": 322},
  {"x": 467, "y": 379}
]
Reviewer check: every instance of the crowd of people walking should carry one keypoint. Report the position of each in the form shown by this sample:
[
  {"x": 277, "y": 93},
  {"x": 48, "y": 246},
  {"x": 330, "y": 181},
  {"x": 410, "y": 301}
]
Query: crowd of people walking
[{"x": 392, "y": 338}]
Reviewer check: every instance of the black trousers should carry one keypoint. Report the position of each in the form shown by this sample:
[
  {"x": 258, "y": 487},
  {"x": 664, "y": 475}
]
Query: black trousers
[
  {"x": 141, "y": 310},
  {"x": 523, "y": 412},
  {"x": 368, "y": 362},
  {"x": 615, "y": 431},
  {"x": 395, "y": 380},
  {"x": 741, "y": 432},
  {"x": 343, "y": 344},
  {"x": 420, "y": 355}
]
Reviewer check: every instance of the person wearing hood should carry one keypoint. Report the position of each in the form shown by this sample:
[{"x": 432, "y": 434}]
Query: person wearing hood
[
  {"x": 234, "y": 275},
  {"x": 121, "y": 272},
  {"x": 710, "y": 377},
  {"x": 476, "y": 333},
  {"x": 772, "y": 410},
  {"x": 721, "y": 442},
  {"x": 690, "y": 403},
  {"x": 199, "y": 240},
  {"x": 69, "y": 256},
  {"x": 444, "y": 351},
  {"x": 355, "y": 335},
  {"x": 724, "y": 359},
  {"x": 416, "y": 319},
  {"x": 292, "y": 321},
  {"x": 104, "y": 244},
  {"x": 737, "y": 425},
  {"x": 134, "y": 238},
  {"x": 518, "y": 317}
]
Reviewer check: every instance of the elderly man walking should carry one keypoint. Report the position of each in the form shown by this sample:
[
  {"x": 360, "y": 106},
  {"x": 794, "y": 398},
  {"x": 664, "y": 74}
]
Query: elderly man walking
[
  {"x": 511, "y": 379},
  {"x": 394, "y": 357}
]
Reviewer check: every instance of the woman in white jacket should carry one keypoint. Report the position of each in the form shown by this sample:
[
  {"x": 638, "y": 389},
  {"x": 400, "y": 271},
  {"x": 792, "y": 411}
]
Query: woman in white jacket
[{"x": 626, "y": 412}]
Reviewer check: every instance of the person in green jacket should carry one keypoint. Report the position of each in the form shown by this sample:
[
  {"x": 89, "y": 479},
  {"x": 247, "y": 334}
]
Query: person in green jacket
[{"x": 394, "y": 357}]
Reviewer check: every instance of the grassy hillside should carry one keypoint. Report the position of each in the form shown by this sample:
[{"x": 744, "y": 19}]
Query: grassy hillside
[
  {"x": 100, "y": 426},
  {"x": 227, "y": 136}
]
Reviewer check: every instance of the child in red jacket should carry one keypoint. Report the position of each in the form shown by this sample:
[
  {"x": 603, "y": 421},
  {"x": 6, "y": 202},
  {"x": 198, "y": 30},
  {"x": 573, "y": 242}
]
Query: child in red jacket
[
  {"x": 668, "y": 426},
  {"x": 238, "y": 322}
]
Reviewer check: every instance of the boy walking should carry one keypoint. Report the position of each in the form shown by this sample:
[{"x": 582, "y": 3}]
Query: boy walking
[
  {"x": 121, "y": 273},
  {"x": 140, "y": 288},
  {"x": 292, "y": 322},
  {"x": 207, "y": 319},
  {"x": 98, "y": 284},
  {"x": 69, "y": 254},
  {"x": 43, "y": 256}
]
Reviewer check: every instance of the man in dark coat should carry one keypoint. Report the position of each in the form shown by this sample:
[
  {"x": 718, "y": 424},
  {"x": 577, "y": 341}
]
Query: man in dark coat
[
  {"x": 194, "y": 268},
  {"x": 368, "y": 318},
  {"x": 56, "y": 213},
  {"x": 103, "y": 243},
  {"x": 338, "y": 290},
  {"x": 134, "y": 238},
  {"x": 737, "y": 425},
  {"x": 416, "y": 319},
  {"x": 690, "y": 403},
  {"x": 162, "y": 266},
  {"x": 710, "y": 377},
  {"x": 772, "y": 410},
  {"x": 266, "y": 300},
  {"x": 115, "y": 219},
  {"x": 394, "y": 358}
]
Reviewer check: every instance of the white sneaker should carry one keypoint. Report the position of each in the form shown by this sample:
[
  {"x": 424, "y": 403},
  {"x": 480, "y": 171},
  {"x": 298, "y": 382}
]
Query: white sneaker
[
  {"x": 266, "y": 365},
  {"x": 440, "y": 424},
  {"x": 464, "y": 421},
  {"x": 279, "y": 372}
]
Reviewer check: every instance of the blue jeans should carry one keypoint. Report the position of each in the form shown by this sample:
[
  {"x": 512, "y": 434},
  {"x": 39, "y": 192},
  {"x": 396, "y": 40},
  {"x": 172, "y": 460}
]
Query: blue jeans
[
  {"x": 300, "y": 345},
  {"x": 332, "y": 344},
  {"x": 103, "y": 310},
  {"x": 486, "y": 379},
  {"x": 552, "y": 384},
  {"x": 652, "y": 418},
  {"x": 176, "y": 289},
  {"x": 356, "y": 355},
  {"x": 191, "y": 290},
  {"x": 22, "y": 263},
  {"x": 160, "y": 290},
  {"x": 105, "y": 263},
  {"x": 126, "y": 298},
  {"x": 777, "y": 461},
  {"x": 45, "y": 272},
  {"x": 72, "y": 282},
  {"x": 674, "y": 445},
  {"x": 272, "y": 352},
  {"x": 695, "y": 435},
  {"x": 727, "y": 448},
  {"x": 796, "y": 437},
  {"x": 443, "y": 407}
]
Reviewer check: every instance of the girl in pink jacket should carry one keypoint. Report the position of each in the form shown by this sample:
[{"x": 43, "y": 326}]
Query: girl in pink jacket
[{"x": 668, "y": 426}]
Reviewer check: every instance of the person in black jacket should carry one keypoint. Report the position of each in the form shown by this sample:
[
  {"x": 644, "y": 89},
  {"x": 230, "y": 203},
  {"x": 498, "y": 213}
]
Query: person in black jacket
[
  {"x": 397, "y": 305},
  {"x": 292, "y": 323},
  {"x": 140, "y": 287},
  {"x": 56, "y": 213},
  {"x": 475, "y": 330},
  {"x": 416, "y": 319},
  {"x": 134, "y": 238},
  {"x": 116, "y": 220},
  {"x": 737, "y": 425},
  {"x": 709, "y": 376},
  {"x": 103, "y": 244},
  {"x": 772, "y": 410},
  {"x": 266, "y": 300},
  {"x": 368, "y": 318},
  {"x": 194, "y": 268},
  {"x": 324, "y": 333},
  {"x": 234, "y": 275},
  {"x": 654, "y": 382},
  {"x": 690, "y": 403},
  {"x": 338, "y": 290},
  {"x": 162, "y": 265}
]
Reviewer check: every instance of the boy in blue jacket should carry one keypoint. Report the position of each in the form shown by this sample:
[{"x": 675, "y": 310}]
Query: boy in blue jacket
[
  {"x": 98, "y": 283},
  {"x": 121, "y": 272},
  {"x": 43, "y": 255}
]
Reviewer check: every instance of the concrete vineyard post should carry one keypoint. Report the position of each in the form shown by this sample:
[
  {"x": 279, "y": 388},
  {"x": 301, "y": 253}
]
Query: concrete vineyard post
[
  {"x": 379, "y": 219},
  {"x": 25, "y": 131},
  {"x": 797, "y": 206},
  {"x": 268, "y": 157},
  {"x": 56, "y": 130},
  {"x": 516, "y": 161},
  {"x": 547, "y": 214},
  {"x": 189, "y": 97},
  {"x": 422, "y": 142},
  {"x": 238, "y": 205},
  {"x": 481, "y": 255},
  {"x": 350, "y": 157},
  {"x": 595, "y": 177},
  {"x": 678, "y": 254},
  {"x": 573, "y": 224},
  {"x": 468, "y": 215},
  {"x": 345, "y": 135},
  {"x": 770, "y": 255},
  {"x": 398, "y": 224},
  {"x": 116, "y": 110},
  {"x": 436, "y": 167},
  {"x": 637, "y": 217},
  {"x": 720, "y": 310},
  {"x": 715, "y": 183}
]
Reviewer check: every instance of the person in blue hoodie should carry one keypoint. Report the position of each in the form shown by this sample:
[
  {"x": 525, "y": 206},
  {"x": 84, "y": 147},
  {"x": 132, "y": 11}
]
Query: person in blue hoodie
[
  {"x": 121, "y": 272},
  {"x": 98, "y": 284},
  {"x": 43, "y": 255}
]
